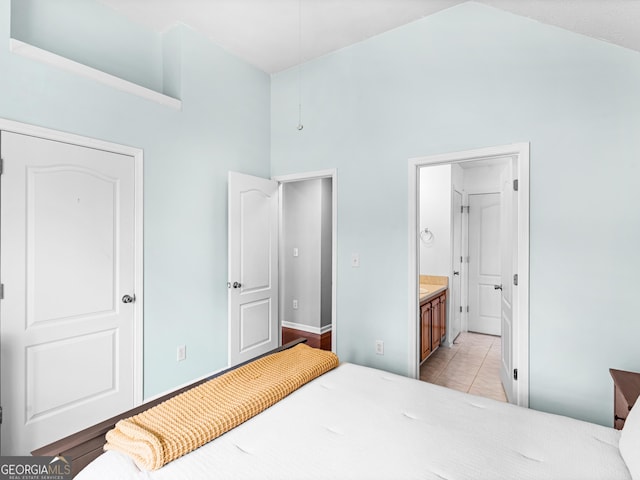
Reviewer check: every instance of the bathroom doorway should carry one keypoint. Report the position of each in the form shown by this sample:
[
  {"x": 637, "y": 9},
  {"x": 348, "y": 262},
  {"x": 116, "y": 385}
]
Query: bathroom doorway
[{"x": 480, "y": 254}]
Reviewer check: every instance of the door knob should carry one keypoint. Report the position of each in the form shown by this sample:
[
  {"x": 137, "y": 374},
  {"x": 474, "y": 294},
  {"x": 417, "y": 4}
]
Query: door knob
[
  {"x": 128, "y": 299},
  {"x": 456, "y": 273},
  {"x": 237, "y": 284},
  {"x": 497, "y": 287}
]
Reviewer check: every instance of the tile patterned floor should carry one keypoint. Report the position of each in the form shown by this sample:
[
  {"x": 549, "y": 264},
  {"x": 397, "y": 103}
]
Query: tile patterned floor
[{"x": 471, "y": 365}]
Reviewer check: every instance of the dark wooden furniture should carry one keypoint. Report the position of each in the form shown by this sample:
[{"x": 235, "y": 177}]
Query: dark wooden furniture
[
  {"x": 626, "y": 390},
  {"x": 433, "y": 323},
  {"x": 426, "y": 320},
  {"x": 87, "y": 445}
]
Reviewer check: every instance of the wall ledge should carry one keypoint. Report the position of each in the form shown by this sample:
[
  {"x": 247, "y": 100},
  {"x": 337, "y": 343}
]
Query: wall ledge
[{"x": 38, "y": 54}]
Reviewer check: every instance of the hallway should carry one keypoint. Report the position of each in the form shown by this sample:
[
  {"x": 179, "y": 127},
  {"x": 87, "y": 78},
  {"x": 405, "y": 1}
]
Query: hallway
[{"x": 471, "y": 365}]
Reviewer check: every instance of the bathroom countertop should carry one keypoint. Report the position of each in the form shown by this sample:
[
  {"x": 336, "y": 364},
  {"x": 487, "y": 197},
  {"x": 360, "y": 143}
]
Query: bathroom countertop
[
  {"x": 432, "y": 291},
  {"x": 434, "y": 284}
]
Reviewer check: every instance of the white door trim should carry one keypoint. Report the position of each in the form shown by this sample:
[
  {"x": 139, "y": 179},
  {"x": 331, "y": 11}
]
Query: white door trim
[
  {"x": 521, "y": 342},
  {"x": 137, "y": 154},
  {"x": 333, "y": 175}
]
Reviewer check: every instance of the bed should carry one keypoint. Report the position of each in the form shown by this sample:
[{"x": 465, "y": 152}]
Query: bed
[{"x": 355, "y": 422}]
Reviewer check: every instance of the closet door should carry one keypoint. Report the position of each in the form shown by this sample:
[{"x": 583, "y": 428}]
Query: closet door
[
  {"x": 67, "y": 265},
  {"x": 485, "y": 272}
]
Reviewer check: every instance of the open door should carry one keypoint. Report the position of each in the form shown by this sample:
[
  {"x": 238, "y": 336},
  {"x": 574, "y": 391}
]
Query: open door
[
  {"x": 508, "y": 252},
  {"x": 253, "y": 267},
  {"x": 455, "y": 322}
]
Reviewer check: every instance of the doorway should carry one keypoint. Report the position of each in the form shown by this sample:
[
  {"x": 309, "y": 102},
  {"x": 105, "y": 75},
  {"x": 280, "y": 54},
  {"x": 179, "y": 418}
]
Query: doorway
[
  {"x": 509, "y": 222},
  {"x": 259, "y": 332},
  {"x": 306, "y": 261}
]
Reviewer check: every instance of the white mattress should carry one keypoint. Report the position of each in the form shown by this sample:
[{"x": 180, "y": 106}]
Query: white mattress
[{"x": 360, "y": 423}]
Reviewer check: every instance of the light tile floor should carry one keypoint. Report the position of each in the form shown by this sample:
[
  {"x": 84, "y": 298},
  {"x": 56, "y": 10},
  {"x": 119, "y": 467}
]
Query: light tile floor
[{"x": 471, "y": 365}]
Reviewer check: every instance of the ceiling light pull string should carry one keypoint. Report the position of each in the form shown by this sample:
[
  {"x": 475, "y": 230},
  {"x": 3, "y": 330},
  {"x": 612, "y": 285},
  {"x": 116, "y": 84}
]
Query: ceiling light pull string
[{"x": 300, "y": 126}]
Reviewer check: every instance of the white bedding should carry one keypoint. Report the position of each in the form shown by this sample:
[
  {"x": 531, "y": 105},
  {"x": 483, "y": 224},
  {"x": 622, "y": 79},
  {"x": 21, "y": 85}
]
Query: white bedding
[{"x": 360, "y": 423}]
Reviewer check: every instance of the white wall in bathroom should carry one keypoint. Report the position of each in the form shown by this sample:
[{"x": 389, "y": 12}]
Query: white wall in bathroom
[
  {"x": 483, "y": 179},
  {"x": 435, "y": 214}
]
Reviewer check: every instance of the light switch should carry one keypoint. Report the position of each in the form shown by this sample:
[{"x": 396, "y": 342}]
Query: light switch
[{"x": 295, "y": 251}]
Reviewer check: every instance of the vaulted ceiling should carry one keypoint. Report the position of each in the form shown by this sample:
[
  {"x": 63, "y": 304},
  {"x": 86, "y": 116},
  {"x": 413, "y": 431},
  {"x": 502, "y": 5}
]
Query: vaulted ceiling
[{"x": 274, "y": 35}]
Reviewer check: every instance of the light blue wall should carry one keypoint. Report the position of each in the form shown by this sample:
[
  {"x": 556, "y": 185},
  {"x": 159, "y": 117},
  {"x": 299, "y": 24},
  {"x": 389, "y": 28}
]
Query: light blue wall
[
  {"x": 223, "y": 125},
  {"x": 468, "y": 77},
  {"x": 88, "y": 32}
]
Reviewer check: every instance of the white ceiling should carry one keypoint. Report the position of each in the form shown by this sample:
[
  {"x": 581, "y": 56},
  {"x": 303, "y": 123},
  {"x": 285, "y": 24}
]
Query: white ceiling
[{"x": 266, "y": 33}]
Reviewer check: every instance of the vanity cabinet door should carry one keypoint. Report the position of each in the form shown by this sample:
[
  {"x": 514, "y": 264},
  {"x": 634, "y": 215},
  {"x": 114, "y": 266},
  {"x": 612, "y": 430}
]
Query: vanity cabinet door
[
  {"x": 425, "y": 330},
  {"x": 435, "y": 323},
  {"x": 443, "y": 314}
]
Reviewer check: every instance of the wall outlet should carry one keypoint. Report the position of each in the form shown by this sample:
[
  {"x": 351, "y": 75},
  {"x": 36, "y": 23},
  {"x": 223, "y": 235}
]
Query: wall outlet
[
  {"x": 295, "y": 251},
  {"x": 182, "y": 352},
  {"x": 379, "y": 347},
  {"x": 295, "y": 304},
  {"x": 355, "y": 260}
]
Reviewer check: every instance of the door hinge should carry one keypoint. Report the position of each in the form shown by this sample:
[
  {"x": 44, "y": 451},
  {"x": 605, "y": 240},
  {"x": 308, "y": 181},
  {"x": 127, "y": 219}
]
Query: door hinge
[
  {"x": 467, "y": 308},
  {"x": 0, "y": 415},
  {"x": 1, "y": 166},
  {"x": 460, "y": 308},
  {"x": 515, "y": 279},
  {"x": 515, "y": 374},
  {"x": 1, "y": 291},
  {"x": 515, "y": 185}
]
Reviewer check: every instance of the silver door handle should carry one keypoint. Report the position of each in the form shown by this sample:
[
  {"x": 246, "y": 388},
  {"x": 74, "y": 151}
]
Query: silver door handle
[
  {"x": 497, "y": 287},
  {"x": 128, "y": 299},
  {"x": 237, "y": 284},
  {"x": 456, "y": 273}
]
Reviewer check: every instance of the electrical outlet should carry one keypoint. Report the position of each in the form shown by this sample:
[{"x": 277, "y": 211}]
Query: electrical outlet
[
  {"x": 355, "y": 260},
  {"x": 182, "y": 352},
  {"x": 379, "y": 347},
  {"x": 295, "y": 304},
  {"x": 295, "y": 251}
]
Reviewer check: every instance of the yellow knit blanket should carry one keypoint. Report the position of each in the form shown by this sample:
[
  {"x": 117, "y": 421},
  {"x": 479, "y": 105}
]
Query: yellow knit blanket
[{"x": 187, "y": 421}]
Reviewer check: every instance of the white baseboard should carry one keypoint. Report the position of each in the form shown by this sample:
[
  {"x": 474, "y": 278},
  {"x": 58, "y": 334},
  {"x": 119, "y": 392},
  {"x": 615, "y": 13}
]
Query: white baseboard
[{"x": 308, "y": 328}]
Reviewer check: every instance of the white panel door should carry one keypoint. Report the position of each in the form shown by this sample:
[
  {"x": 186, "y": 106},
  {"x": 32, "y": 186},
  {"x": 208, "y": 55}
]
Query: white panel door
[
  {"x": 253, "y": 267},
  {"x": 485, "y": 272},
  {"x": 455, "y": 322},
  {"x": 67, "y": 257},
  {"x": 508, "y": 241}
]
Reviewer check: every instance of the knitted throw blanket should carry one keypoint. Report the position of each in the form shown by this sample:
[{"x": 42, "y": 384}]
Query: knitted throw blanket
[{"x": 189, "y": 420}]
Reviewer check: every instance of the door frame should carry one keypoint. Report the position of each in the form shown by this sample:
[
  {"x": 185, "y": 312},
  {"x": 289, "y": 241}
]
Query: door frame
[
  {"x": 333, "y": 175},
  {"x": 137, "y": 154},
  {"x": 521, "y": 325}
]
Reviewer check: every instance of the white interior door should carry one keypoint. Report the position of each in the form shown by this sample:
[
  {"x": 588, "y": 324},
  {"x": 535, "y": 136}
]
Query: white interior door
[
  {"x": 253, "y": 267},
  {"x": 485, "y": 272},
  {"x": 68, "y": 246},
  {"x": 509, "y": 257},
  {"x": 455, "y": 324}
]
